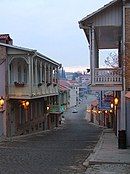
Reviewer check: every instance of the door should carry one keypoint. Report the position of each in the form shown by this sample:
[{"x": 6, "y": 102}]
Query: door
[{"x": 12, "y": 121}]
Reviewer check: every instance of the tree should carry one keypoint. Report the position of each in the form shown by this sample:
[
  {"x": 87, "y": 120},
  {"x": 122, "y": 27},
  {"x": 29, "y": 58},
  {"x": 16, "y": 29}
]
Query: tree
[{"x": 112, "y": 60}]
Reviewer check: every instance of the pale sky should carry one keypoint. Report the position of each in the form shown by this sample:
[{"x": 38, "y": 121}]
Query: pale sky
[{"x": 50, "y": 26}]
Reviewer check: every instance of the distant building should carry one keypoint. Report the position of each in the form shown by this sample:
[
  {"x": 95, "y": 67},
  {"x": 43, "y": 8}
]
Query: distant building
[
  {"x": 62, "y": 74},
  {"x": 73, "y": 95}
]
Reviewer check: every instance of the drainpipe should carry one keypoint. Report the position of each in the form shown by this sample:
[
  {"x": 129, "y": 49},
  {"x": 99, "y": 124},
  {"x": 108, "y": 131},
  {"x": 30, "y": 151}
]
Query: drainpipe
[{"x": 31, "y": 81}]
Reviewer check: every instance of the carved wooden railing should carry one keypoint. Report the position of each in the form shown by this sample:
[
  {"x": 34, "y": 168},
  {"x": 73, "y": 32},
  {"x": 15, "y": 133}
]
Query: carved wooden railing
[{"x": 108, "y": 76}]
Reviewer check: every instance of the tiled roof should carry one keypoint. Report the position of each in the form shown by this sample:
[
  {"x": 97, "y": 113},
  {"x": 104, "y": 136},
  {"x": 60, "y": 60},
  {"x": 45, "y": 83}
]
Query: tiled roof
[{"x": 63, "y": 88}]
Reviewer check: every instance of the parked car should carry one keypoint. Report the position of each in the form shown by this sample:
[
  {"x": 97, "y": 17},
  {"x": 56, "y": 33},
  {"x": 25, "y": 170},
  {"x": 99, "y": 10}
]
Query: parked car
[{"x": 74, "y": 110}]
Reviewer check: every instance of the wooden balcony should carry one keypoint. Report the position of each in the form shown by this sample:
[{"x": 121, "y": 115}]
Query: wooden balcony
[
  {"x": 108, "y": 76},
  {"x": 107, "y": 79},
  {"x": 19, "y": 90}
]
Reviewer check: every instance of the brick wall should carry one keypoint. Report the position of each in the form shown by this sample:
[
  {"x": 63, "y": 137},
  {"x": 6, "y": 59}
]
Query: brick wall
[
  {"x": 127, "y": 48},
  {"x": 3, "y": 53}
]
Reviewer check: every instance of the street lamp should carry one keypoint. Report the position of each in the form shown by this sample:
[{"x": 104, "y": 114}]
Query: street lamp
[
  {"x": 116, "y": 101},
  {"x": 25, "y": 104},
  {"x": 1, "y": 102},
  {"x": 112, "y": 105},
  {"x": 106, "y": 111},
  {"x": 48, "y": 108}
]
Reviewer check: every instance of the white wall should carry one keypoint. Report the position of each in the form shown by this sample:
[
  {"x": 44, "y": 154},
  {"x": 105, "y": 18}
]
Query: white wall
[{"x": 72, "y": 97}]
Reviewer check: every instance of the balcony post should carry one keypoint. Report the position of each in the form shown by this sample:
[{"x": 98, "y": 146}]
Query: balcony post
[
  {"x": 41, "y": 71},
  {"x": 30, "y": 74},
  {"x": 48, "y": 74},
  {"x": 45, "y": 73},
  {"x": 55, "y": 75},
  {"x": 51, "y": 74},
  {"x": 36, "y": 71},
  {"x": 92, "y": 53}
]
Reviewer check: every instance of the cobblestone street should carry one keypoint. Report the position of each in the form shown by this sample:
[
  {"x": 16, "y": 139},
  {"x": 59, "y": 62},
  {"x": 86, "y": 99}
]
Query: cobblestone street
[{"x": 60, "y": 151}]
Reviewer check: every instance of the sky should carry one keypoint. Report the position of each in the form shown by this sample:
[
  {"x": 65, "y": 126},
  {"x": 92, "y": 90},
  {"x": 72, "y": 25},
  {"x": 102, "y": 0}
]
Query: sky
[{"x": 50, "y": 26}]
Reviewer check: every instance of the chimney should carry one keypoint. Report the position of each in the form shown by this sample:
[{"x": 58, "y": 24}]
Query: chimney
[{"x": 5, "y": 38}]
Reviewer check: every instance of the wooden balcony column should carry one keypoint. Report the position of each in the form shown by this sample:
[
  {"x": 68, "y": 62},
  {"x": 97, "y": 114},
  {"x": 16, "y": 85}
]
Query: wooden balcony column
[
  {"x": 29, "y": 79},
  {"x": 92, "y": 51},
  {"x": 48, "y": 73},
  {"x": 45, "y": 73},
  {"x": 35, "y": 71},
  {"x": 51, "y": 74},
  {"x": 56, "y": 74},
  {"x": 41, "y": 72}
]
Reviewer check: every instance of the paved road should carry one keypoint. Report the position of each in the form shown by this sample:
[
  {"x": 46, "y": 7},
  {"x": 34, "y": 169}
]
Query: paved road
[{"x": 61, "y": 151}]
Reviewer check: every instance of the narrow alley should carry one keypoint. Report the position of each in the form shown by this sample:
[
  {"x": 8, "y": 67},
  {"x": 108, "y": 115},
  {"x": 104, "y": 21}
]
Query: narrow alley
[{"x": 60, "y": 151}]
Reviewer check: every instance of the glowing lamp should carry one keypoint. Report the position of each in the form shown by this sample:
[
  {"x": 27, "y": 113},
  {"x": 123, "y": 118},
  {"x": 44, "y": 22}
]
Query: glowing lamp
[
  {"x": 112, "y": 105},
  {"x": 27, "y": 103},
  {"x": 48, "y": 108},
  {"x": 116, "y": 101},
  {"x": 1, "y": 101}
]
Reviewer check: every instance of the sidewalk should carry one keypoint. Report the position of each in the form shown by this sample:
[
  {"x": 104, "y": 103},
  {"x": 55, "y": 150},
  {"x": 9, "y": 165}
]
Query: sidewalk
[{"x": 107, "y": 158}]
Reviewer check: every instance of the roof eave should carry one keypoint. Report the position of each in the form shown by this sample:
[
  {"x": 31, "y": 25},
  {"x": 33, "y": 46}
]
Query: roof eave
[
  {"x": 17, "y": 47},
  {"x": 48, "y": 59},
  {"x": 97, "y": 11}
]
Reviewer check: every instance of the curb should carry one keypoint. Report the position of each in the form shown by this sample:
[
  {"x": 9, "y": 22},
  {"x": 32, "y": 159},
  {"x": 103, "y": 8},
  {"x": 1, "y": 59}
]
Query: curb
[
  {"x": 14, "y": 138},
  {"x": 88, "y": 161},
  {"x": 107, "y": 162},
  {"x": 91, "y": 160}
]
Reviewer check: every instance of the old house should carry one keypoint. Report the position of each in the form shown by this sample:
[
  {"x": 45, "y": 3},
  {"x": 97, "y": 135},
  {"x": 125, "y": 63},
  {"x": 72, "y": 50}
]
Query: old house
[
  {"x": 28, "y": 90},
  {"x": 109, "y": 28}
]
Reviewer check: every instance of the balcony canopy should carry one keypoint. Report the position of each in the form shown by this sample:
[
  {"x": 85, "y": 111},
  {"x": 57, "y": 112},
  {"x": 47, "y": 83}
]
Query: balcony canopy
[{"x": 106, "y": 23}]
